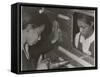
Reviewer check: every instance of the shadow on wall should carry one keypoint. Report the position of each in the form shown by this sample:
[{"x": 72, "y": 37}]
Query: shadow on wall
[{"x": 66, "y": 26}]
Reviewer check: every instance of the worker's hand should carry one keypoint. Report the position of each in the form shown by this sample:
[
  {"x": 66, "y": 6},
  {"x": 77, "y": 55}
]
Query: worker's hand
[
  {"x": 88, "y": 53},
  {"x": 41, "y": 65}
]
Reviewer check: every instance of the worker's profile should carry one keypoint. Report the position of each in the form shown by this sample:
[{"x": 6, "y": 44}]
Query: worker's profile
[{"x": 85, "y": 38}]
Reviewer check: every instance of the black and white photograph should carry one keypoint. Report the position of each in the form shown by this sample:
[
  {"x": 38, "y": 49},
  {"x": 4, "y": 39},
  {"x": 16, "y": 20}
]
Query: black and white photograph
[{"x": 54, "y": 38}]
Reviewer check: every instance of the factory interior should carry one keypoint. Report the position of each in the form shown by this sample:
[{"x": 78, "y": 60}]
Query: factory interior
[{"x": 64, "y": 54}]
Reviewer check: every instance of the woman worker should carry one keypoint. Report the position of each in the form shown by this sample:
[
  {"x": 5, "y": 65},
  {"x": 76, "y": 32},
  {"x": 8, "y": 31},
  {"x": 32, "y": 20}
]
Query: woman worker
[
  {"x": 84, "y": 39},
  {"x": 37, "y": 39}
]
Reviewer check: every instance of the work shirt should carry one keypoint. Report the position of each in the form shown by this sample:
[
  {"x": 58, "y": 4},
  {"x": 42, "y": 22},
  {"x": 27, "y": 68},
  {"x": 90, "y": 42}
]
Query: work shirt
[{"x": 85, "y": 45}]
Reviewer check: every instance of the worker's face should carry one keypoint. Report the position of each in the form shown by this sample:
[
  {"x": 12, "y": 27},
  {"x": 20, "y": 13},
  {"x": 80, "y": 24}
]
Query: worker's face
[
  {"x": 34, "y": 35},
  {"x": 83, "y": 27}
]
